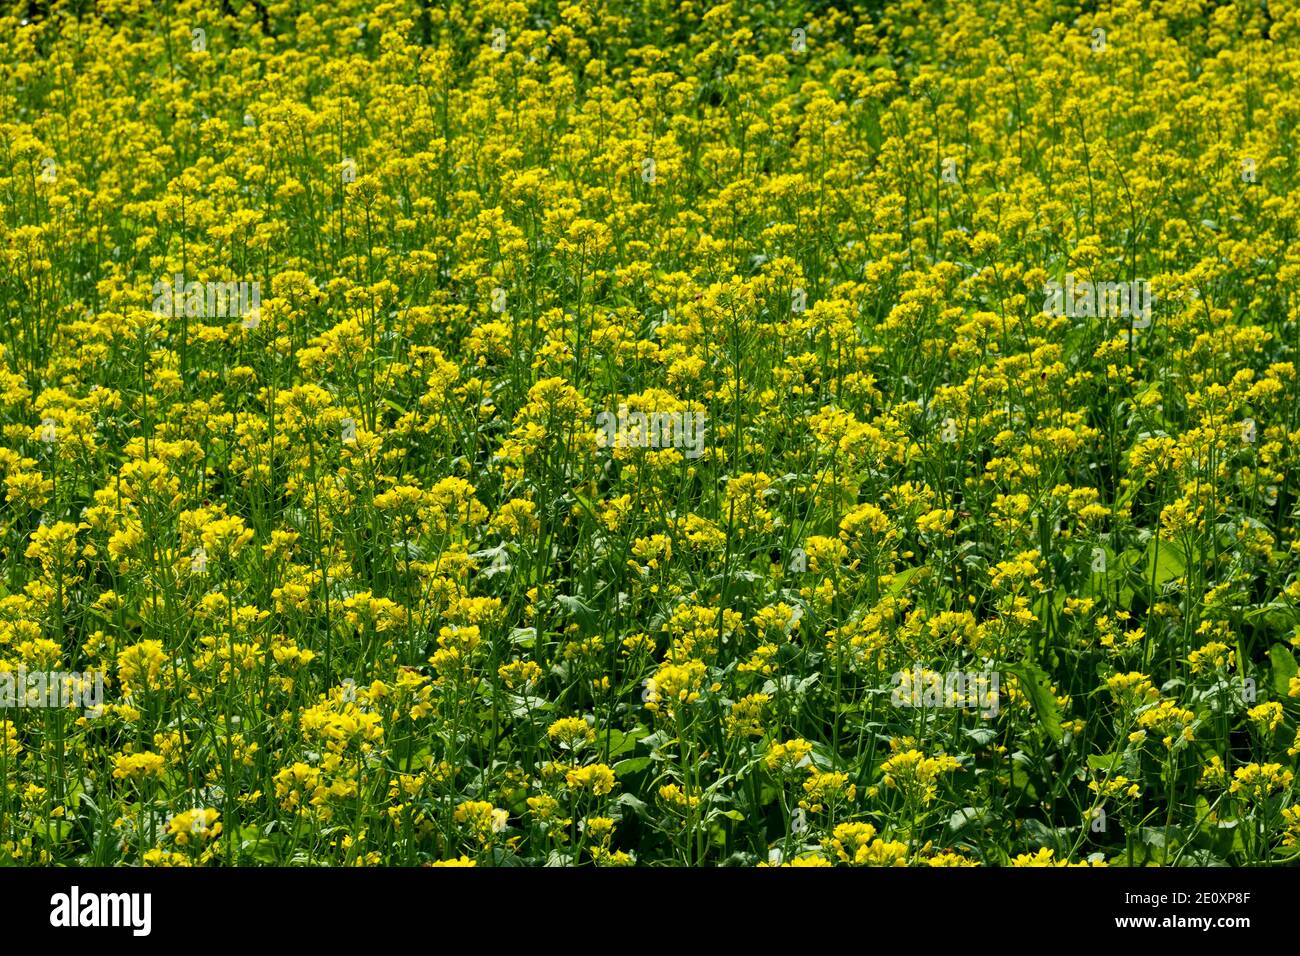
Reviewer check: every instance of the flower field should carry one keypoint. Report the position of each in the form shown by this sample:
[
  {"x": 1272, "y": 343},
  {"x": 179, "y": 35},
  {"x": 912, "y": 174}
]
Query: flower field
[{"x": 595, "y": 433}]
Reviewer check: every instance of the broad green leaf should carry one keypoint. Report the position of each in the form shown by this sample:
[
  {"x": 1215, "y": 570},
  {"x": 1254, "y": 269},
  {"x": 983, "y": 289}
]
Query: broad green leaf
[
  {"x": 631, "y": 765},
  {"x": 1033, "y": 683},
  {"x": 1284, "y": 668},
  {"x": 1165, "y": 562}
]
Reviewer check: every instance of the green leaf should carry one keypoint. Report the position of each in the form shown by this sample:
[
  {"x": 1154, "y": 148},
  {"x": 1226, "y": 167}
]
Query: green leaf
[
  {"x": 256, "y": 844},
  {"x": 1034, "y": 683},
  {"x": 621, "y": 743},
  {"x": 1165, "y": 562},
  {"x": 55, "y": 831},
  {"x": 1040, "y": 834},
  {"x": 520, "y": 707},
  {"x": 1110, "y": 762},
  {"x": 523, "y": 636},
  {"x": 902, "y": 579},
  {"x": 1284, "y": 668},
  {"x": 967, "y": 816},
  {"x": 1274, "y": 616},
  {"x": 634, "y": 806},
  {"x": 631, "y": 765},
  {"x": 1020, "y": 779},
  {"x": 577, "y": 610}
]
